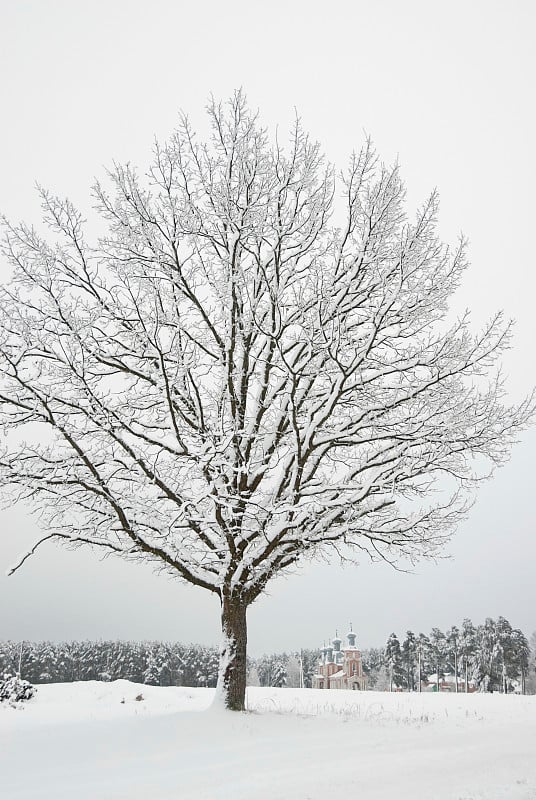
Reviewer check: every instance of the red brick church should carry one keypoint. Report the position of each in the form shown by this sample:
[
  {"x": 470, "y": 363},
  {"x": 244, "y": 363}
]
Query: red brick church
[{"x": 340, "y": 668}]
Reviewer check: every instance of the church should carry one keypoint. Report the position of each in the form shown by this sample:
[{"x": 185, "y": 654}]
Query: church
[{"x": 340, "y": 668}]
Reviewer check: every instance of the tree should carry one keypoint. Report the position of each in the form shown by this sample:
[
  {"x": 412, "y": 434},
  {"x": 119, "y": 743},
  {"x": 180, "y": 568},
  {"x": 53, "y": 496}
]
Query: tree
[
  {"x": 520, "y": 661},
  {"x": 279, "y": 674},
  {"x": 438, "y": 645},
  {"x": 424, "y": 653},
  {"x": 505, "y": 652},
  {"x": 151, "y": 673},
  {"x": 468, "y": 646},
  {"x": 487, "y": 653},
  {"x": 393, "y": 662},
  {"x": 530, "y": 679},
  {"x": 373, "y": 660},
  {"x": 264, "y": 670},
  {"x": 453, "y": 650},
  {"x": 309, "y": 665},
  {"x": 409, "y": 651},
  {"x": 252, "y": 366}
]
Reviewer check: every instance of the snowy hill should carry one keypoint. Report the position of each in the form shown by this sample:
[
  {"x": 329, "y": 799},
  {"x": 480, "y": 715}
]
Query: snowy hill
[{"x": 96, "y": 741}]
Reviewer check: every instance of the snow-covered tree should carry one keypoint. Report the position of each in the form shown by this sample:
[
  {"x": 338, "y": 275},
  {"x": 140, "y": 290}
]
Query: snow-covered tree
[
  {"x": 13, "y": 689},
  {"x": 264, "y": 670},
  {"x": 272, "y": 670},
  {"x": 373, "y": 660},
  {"x": 151, "y": 673},
  {"x": 439, "y": 651},
  {"x": 489, "y": 656},
  {"x": 453, "y": 651},
  {"x": 505, "y": 652},
  {"x": 294, "y": 671},
  {"x": 468, "y": 645},
  {"x": 279, "y": 673},
  {"x": 393, "y": 662},
  {"x": 409, "y": 656},
  {"x": 309, "y": 665},
  {"x": 9, "y": 657},
  {"x": 530, "y": 678},
  {"x": 520, "y": 659},
  {"x": 253, "y": 365},
  {"x": 424, "y": 654}
]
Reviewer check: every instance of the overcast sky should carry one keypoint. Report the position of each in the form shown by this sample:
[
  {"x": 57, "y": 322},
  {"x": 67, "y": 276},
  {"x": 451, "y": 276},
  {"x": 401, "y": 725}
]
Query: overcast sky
[{"x": 448, "y": 88}]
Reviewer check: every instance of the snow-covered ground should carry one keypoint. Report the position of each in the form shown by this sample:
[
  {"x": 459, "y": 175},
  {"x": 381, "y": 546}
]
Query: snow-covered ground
[{"x": 96, "y": 741}]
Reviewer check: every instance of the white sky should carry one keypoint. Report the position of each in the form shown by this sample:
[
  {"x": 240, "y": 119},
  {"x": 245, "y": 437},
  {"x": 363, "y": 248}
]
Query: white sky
[{"x": 446, "y": 87}]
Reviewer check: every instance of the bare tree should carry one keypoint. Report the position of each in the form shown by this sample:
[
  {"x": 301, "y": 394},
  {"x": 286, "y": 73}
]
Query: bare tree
[{"x": 253, "y": 365}]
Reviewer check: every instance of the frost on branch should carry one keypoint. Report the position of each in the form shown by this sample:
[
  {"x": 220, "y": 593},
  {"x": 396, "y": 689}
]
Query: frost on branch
[{"x": 255, "y": 364}]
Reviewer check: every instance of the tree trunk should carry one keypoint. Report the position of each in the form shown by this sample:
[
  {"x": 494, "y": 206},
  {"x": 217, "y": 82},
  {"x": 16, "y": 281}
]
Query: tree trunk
[{"x": 231, "y": 688}]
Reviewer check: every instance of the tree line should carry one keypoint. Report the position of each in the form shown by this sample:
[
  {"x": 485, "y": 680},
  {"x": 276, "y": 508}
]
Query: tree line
[
  {"x": 153, "y": 663},
  {"x": 490, "y": 657}
]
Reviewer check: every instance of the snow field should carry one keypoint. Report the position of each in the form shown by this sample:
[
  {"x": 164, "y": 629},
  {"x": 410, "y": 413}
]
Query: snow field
[{"x": 96, "y": 741}]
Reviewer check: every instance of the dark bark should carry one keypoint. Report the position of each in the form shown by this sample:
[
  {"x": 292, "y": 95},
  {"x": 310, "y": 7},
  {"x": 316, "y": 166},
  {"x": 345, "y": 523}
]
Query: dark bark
[{"x": 232, "y": 674}]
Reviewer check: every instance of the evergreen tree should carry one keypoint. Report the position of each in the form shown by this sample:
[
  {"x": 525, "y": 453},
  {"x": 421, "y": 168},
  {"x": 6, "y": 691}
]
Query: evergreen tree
[
  {"x": 438, "y": 644},
  {"x": 453, "y": 651},
  {"x": 373, "y": 660},
  {"x": 409, "y": 652},
  {"x": 393, "y": 662},
  {"x": 520, "y": 657},
  {"x": 486, "y": 657},
  {"x": 506, "y": 661},
  {"x": 264, "y": 669},
  {"x": 151, "y": 675},
  {"x": 309, "y": 665},
  {"x": 279, "y": 673},
  {"x": 424, "y": 651},
  {"x": 468, "y": 647}
]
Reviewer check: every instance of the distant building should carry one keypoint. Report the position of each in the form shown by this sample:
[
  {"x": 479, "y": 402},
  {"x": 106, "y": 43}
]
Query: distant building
[
  {"x": 340, "y": 668},
  {"x": 447, "y": 683}
]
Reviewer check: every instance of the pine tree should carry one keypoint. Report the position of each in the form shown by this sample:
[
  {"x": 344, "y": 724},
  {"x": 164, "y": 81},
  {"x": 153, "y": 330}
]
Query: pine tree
[
  {"x": 409, "y": 649},
  {"x": 438, "y": 645},
  {"x": 373, "y": 660},
  {"x": 424, "y": 652},
  {"x": 486, "y": 656},
  {"x": 520, "y": 657},
  {"x": 393, "y": 661},
  {"x": 264, "y": 669},
  {"x": 453, "y": 651},
  {"x": 279, "y": 674},
  {"x": 151, "y": 675},
  {"x": 309, "y": 661},
  {"x": 468, "y": 646},
  {"x": 505, "y": 653}
]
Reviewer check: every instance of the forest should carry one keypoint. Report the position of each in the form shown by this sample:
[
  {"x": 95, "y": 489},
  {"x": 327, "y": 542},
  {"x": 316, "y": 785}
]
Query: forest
[{"x": 492, "y": 656}]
